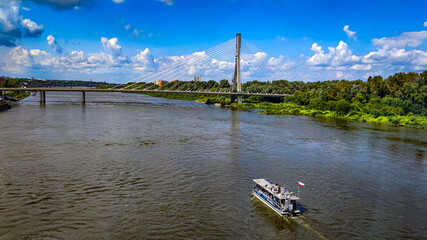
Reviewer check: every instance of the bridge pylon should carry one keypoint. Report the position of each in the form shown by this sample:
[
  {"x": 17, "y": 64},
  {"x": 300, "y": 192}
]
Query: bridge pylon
[{"x": 236, "y": 83}]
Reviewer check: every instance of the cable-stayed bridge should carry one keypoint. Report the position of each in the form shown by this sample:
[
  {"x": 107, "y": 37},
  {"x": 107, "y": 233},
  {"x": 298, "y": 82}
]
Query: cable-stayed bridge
[{"x": 207, "y": 73}]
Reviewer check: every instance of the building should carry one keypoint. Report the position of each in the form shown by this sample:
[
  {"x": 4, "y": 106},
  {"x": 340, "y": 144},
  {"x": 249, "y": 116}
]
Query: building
[
  {"x": 160, "y": 82},
  {"x": 176, "y": 80},
  {"x": 198, "y": 78}
]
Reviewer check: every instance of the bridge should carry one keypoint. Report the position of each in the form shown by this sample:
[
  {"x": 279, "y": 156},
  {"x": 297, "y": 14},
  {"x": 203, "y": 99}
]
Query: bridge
[{"x": 167, "y": 80}]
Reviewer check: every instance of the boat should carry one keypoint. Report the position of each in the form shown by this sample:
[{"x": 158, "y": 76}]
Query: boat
[
  {"x": 5, "y": 106},
  {"x": 278, "y": 198}
]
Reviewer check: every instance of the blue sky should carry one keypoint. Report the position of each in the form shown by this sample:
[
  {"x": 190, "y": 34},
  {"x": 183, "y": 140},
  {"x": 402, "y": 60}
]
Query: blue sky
[{"x": 119, "y": 40}]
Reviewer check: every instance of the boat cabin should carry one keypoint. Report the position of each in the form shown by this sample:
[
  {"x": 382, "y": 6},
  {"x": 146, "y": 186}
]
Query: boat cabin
[{"x": 277, "y": 197}]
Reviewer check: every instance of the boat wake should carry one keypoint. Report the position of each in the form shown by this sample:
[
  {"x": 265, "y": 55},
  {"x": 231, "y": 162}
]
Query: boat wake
[{"x": 300, "y": 221}]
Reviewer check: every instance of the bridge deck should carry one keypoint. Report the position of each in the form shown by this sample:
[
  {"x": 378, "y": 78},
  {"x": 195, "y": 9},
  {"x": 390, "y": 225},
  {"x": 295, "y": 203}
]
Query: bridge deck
[{"x": 141, "y": 91}]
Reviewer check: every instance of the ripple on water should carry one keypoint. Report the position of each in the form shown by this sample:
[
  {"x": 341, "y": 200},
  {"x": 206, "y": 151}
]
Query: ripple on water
[{"x": 156, "y": 168}]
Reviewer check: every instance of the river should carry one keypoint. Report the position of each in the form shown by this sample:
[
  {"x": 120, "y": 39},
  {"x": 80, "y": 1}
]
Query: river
[{"x": 154, "y": 168}]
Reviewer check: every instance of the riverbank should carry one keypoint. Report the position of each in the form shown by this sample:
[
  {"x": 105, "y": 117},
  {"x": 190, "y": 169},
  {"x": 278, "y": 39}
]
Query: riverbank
[
  {"x": 409, "y": 120},
  {"x": 17, "y": 96},
  {"x": 268, "y": 108}
]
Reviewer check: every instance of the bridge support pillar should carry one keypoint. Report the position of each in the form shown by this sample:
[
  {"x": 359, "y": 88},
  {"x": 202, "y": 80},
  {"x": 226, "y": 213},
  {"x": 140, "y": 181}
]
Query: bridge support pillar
[
  {"x": 83, "y": 97},
  {"x": 42, "y": 96},
  {"x": 236, "y": 83}
]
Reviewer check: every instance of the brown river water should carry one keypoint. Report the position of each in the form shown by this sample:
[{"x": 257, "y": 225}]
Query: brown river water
[{"x": 154, "y": 168}]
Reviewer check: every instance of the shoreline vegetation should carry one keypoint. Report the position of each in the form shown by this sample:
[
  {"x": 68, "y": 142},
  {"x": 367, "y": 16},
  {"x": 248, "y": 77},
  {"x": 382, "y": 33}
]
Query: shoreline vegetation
[{"x": 399, "y": 100}]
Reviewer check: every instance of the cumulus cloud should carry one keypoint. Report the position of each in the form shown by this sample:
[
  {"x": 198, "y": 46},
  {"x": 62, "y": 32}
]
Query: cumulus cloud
[
  {"x": 19, "y": 56},
  {"x": 31, "y": 28},
  {"x": 350, "y": 34},
  {"x": 340, "y": 57},
  {"x": 280, "y": 63},
  {"x": 411, "y": 39},
  {"x": 144, "y": 61},
  {"x": 337, "y": 57},
  {"x": 20, "y": 59},
  {"x": 51, "y": 41},
  {"x": 392, "y": 54},
  {"x": 361, "y": 67},
  {"x": 13, "y": 26},
  {"x": 416, "y": 59},
  {"x": 111, "y": 45}
]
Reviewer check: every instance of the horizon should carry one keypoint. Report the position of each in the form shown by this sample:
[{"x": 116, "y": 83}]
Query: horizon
[{"x": 120, "y": 40}]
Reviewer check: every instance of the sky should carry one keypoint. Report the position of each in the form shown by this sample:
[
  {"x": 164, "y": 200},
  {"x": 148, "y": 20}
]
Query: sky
[{"x": 128, "y": 40}]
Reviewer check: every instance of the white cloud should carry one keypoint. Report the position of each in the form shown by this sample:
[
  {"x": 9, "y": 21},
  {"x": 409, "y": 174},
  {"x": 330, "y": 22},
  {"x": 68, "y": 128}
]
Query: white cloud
[
  {"x": 337, "y": 57},
  {"x": 32, "y": 27},
  {"x": 411, "y": 39},
  {"x": 13, "y": 26},
  {"x": 319, "y": 58},
  {"x": 20, "y": 58},
  {"x": 118, "y": 1},
  {"x": 361, "y": 67},
  {"x": 127, "y": 27},
  {"x": 111, "y": 45},
  {"x": 281, "y": 38},
  {"x": 144, "y": 61},
  {"x": 425, "y": 24},
  {"x": 25, "y": 9},
  {"x": 168, "y": 2},
  {"x": 391, "y": 56},
  {"x": 280, "y": 63},
  {"x": 350, "y": 34},
  {"x": 51, "y": 41},
  {"x": 402, "y": 57}
]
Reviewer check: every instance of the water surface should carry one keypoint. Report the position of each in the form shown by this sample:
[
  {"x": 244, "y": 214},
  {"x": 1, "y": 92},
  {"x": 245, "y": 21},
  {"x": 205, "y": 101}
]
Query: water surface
[{"x": 158, "y": 168}]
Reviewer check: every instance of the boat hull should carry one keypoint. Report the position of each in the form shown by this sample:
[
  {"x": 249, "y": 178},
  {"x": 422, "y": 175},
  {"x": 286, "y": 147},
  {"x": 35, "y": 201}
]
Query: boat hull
[
  {"x": 5, "y": 106},
  {"x": 269, "y": 204}
]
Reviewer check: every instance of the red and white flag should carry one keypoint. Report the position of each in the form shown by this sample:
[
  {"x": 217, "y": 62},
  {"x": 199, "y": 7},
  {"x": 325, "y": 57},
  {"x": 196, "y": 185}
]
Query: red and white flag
[{"x": 300, "y": 184}]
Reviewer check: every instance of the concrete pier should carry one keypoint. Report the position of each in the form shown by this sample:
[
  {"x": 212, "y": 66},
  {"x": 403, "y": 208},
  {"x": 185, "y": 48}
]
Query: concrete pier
[
  {"x": 236, "y": 83},
  {"x": 42, "y": 96},
  {"x": 83, "y": 97},
  {"x": 2, "y": 95}
]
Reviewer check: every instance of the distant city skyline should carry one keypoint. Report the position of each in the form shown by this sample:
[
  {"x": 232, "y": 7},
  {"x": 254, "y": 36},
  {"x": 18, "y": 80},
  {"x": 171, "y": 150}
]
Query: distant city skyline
[{"x": 120, "y": 40}]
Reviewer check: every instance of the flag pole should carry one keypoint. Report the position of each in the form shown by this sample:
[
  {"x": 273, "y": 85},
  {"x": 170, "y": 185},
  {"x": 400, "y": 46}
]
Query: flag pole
[{"x": 298, "y": 190}]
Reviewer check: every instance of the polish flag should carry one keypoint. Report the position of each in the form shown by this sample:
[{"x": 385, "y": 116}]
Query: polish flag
[{"x": 301, "y": 184}]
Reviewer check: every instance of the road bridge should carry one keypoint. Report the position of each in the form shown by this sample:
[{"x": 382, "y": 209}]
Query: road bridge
[{"x": 150, "y": 82}]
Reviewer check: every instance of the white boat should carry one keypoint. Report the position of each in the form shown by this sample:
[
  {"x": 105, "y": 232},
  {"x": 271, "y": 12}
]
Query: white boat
[{"x": 277, "y": 197}]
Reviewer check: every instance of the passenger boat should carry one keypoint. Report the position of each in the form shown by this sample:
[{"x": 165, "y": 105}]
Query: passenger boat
[
  {"x": 277, "y": 197},
  {"x": 5, "y": 106}
]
